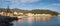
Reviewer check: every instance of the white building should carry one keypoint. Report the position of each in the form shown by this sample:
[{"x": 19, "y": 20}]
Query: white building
[
  {"x": 29, "y": 14},
  {"x": 45, "y": 15},
  {"x": 1, "y": 13},
  {"x": 15, "y": 12},
  {"x": 18, "y": 13},
  {"x": 58, "y": 14}
]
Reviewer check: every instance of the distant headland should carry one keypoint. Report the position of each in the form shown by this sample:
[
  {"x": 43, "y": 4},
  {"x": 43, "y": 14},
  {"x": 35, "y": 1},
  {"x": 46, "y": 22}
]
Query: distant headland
[{"x": 9, "y": 12}]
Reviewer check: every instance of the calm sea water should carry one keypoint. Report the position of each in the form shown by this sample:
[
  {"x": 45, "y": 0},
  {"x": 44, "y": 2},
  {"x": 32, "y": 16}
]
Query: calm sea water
[{"x": 38, "y": 21}]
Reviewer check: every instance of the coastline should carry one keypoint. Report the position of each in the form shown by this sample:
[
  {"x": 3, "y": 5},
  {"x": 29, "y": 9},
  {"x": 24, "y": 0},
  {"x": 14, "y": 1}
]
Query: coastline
[{"x": 6, "y": 20}]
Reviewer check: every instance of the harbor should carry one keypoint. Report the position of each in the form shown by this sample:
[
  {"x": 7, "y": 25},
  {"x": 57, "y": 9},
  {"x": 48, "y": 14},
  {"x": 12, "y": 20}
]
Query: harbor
[{"x": 29, "y": 12}]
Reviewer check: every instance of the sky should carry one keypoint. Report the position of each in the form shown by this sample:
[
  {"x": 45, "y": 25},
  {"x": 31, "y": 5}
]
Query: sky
[{"x": 32, "y": 4}]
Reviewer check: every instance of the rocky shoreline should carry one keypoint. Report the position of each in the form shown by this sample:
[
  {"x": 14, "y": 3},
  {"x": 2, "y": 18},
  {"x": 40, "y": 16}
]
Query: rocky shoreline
[{"x": 6, "y": 20}]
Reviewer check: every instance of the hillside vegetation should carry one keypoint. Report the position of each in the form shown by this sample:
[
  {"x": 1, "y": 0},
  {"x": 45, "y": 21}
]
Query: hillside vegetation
[{"x": 34, "y": 11}]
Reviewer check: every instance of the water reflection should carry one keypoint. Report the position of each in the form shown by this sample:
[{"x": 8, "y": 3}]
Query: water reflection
[
  {"x": 42, "y": 18},
  {"x": 58, "y": 19},
  {"x": 32, "y": 21},
  {"x": 21, "y": 20},
  {"x": 6, "y": 24}
]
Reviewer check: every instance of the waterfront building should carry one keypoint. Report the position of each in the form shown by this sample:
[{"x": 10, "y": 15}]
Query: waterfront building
[
  {"x": 58, "y": 14},
  {"x": 29, "y": 14}
]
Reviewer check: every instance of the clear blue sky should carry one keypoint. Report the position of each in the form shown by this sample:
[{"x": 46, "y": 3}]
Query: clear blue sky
[{"x": 32, "y": 4}]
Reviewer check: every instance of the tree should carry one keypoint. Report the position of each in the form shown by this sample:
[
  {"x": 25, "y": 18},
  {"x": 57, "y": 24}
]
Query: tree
[{"x": 7, "y": 10}]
